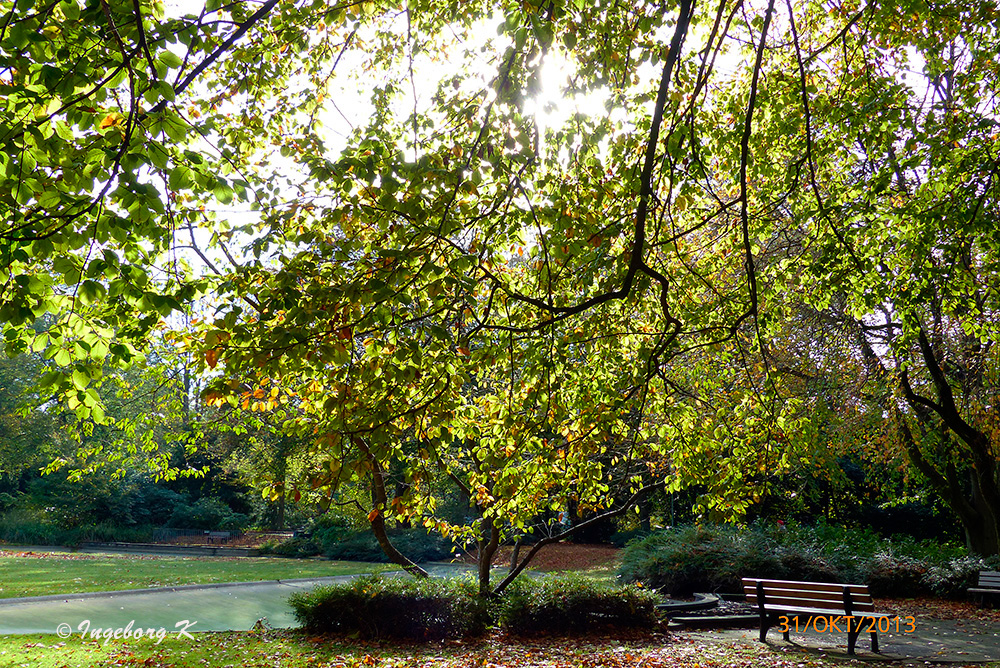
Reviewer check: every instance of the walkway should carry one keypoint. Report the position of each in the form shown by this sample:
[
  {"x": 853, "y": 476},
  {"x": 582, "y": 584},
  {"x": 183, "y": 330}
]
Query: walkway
[
  {"x": 234, "y": 606},
  {"x": 220, "y": 607},
  {"x": 938, "y": 641}
]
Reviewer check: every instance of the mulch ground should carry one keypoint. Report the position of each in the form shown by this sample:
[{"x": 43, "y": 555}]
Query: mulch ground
[
  {"x": 933, "y": 608},
  {"x": 557, "y": 557}
]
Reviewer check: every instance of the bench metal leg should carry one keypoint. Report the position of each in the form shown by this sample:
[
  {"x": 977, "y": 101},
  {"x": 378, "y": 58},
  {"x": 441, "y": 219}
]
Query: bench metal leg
[
  {"x": 875, "y": 642},
  {"x": 853, "y": 631}
]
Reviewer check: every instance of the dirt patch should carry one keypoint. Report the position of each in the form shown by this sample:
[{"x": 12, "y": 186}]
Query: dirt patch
[{"x": 558, "y": 557}]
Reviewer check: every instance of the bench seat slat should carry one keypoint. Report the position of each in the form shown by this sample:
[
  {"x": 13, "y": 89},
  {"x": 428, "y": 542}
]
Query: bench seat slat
[
  {"x": 984, "y": 590},
  {"x": 808, "y": 586},
  {"x": 772, "y": 601},
  {"x": 819, "y": 613},
  {"x": 810, "y": 595},
  {"x": 989, "y": 579}
]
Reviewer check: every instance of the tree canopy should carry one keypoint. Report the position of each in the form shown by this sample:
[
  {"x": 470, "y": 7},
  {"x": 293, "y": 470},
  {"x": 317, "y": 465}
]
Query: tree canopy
[{"x": 547, "y": 250}]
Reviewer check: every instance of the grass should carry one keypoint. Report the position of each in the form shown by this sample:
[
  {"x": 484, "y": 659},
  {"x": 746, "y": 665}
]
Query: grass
[
  {"x": 60, "y": 573},
  {"x": 604, "y": 572},
  {"x": 295, "y": 649}
]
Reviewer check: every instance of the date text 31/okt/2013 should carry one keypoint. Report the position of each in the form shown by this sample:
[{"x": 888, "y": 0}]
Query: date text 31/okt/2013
[{"x": 830, "y": 623}]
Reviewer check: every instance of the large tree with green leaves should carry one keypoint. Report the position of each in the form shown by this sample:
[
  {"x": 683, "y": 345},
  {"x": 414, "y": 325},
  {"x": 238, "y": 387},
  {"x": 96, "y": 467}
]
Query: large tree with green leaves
[{"x": 415, "y": 233}]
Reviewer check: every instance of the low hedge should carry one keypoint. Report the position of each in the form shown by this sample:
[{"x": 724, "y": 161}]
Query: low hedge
[
  {"x": 574, "y": 604},
  {"x": 426, "y": 609},
  {"x": 388, "y": 607}
]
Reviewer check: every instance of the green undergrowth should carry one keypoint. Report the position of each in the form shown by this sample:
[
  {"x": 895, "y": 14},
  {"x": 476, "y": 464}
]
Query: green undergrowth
[
  {"x": 715, "y": 558},
  {"x": 67, "y": 573},
  {"x": 575, "y": 604},
  {"x": 381, "y": 607}
]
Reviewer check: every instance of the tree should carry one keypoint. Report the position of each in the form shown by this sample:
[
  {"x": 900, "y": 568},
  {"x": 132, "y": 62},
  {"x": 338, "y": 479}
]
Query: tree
[
  {"x": 892, "y": 238},
  {"x": 28, "y": 434},
  {"x": 523, "y": 294}
]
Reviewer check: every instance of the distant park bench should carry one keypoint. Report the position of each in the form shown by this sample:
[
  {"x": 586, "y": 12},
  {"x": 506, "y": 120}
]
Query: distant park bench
[
  {"x": 835, "y": 606},
  {"x": 218, "y": 536},
  {"x": 989, "y": 584}
]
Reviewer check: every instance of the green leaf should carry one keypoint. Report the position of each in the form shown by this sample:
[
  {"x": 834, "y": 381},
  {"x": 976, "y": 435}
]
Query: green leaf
[
  {"x": 170, "y": 59},
  {"x": 91, "y": 292},
  {"x": 80, "y": 379},
  {"x": 70, "y": 9},
  {"x": 224, "y": 193}
]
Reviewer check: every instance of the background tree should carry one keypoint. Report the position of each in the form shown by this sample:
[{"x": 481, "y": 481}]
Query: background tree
[{"x": 892, "y": 236}]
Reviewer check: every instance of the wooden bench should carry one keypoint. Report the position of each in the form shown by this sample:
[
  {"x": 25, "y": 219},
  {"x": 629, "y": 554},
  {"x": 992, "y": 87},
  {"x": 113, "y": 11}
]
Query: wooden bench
[
  {"x": 848, "y": 607},
  {"x": 989, "y": 583}
]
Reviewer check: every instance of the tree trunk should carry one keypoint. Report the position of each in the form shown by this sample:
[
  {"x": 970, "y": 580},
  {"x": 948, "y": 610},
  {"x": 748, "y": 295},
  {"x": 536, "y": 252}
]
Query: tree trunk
[
  {"x": 278, "y": 519},
  {"x": 377, "y": 516},
  {"x": 516, "y": 552},
  {"x": 402, "y": 487},
  {"x": 984, "y": 537},
  {"x": 645, "y": 513},
  {"x": 488, "y": 545}
]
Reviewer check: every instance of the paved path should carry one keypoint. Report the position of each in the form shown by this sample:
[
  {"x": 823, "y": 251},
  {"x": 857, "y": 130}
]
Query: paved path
[
  {"x": 220, "y": 607},
  {"x": 964, "y": 641},
  {"x": 234, "y": 606}
]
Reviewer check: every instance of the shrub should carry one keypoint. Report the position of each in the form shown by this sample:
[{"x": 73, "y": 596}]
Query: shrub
[
  {"x": 887, "y": 574},
  {"x": 297, "y": 548},
  {"x": 574, "y": 604},
  {"x": 623, "y": 538},
  {"x": 804, "y": 564},
  {"x": 952, "y": 578},
  {"x": 416, "y": 544},
  {"x": 382, "y": 607},
  {"x": 31, "y": 526},
  {"x": 6, "y": 501},
  {"x": 206, "y": 513},
  {"x": 689, "y": 559},
  {"x": 112, "y": 533}
]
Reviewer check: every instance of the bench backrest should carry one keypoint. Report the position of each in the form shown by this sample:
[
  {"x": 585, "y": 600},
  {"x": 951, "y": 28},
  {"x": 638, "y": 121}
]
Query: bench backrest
[
  {"x": 989, "y": 579},
  {"x": 819, "y": 595}
]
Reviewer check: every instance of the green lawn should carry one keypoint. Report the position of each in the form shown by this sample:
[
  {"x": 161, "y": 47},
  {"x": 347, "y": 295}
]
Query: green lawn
[
  {"x": 287, "y": 649},
  {"x": 62, "y": 573}
]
